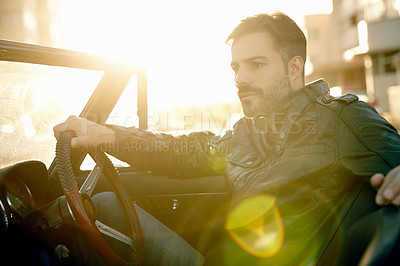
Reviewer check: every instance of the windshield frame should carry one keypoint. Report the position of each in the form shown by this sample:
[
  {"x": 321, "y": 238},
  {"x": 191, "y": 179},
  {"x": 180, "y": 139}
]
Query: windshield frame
[{"x": 103, "y": 99}]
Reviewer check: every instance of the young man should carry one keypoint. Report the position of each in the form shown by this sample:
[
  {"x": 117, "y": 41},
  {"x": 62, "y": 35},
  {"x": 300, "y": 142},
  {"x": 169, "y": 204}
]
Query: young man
[{"x": 307, "y": 151}]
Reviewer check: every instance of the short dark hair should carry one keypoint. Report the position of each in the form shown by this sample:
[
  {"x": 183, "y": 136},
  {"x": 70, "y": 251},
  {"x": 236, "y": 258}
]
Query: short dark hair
[{"x": 289, "y": 38}]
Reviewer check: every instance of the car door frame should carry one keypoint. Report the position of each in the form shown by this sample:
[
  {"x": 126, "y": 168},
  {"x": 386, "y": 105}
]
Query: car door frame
[{"x": 185, "y": 205}]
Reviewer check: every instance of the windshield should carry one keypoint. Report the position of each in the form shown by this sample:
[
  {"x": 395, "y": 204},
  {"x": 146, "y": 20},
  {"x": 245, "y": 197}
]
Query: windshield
[{"x": 34, "y": 98}]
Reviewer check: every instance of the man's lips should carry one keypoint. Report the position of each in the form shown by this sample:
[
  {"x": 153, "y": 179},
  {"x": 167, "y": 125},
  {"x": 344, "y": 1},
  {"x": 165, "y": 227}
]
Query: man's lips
[{"x": 246, "y": 94}]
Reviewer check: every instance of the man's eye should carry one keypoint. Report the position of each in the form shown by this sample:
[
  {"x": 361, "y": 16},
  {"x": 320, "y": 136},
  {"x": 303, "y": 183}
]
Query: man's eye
[{"x": 257, "y": 64}]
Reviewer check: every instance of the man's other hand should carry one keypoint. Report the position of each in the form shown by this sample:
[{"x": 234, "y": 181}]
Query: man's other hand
[
  {"x": 388, "y": 187},
  {"x": 85, "y": 133}
]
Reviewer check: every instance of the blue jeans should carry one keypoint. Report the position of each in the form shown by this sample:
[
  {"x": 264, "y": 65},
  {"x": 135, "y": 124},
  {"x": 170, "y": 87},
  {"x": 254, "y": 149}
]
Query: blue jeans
[{"x": 162, "y": 246}]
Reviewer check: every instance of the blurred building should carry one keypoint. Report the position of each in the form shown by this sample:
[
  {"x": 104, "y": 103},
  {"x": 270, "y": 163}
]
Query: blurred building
[
  {"x": 357, "y": 47},
  {"x": 32, "y": 21}
]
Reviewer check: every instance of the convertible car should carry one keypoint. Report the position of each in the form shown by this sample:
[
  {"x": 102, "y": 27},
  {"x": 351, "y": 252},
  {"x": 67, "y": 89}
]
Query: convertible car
[
  {"x": 42, "y": 86},
  {"x": 45, "y": 203}
]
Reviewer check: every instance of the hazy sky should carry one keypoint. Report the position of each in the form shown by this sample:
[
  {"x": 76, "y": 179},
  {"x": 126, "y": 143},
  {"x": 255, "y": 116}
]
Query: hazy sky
[{"x": 181, "y": 42}]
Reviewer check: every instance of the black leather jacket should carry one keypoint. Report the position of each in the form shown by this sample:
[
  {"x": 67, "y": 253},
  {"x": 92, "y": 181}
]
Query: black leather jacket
[{"x": 311, "y": 151}]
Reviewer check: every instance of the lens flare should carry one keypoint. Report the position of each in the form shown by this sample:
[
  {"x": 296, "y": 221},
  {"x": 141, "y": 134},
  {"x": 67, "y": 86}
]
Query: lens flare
[{"x": 255, "y": 224}]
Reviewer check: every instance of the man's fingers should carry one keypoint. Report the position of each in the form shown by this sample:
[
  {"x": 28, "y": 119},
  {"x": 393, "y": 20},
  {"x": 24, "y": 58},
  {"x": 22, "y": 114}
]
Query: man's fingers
[
  {"x": 389, "y": 191},
  {"x": 64, "y": 126},
  {"x": 59, "y": 129},
  {"x": 84, "y": 132},
  {"x": 87, "y": 141},
  {"x": 377, "y": 180},
  {"x": 76, "y": 126},
  {"x": 391, "y": 185},
  {"x": 71, "y": 117},
  {"x": 77, "y": 142}
]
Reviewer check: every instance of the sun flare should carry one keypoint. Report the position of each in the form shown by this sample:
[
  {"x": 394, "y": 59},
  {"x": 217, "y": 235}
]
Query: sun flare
[{"x": 182, "y": 43}]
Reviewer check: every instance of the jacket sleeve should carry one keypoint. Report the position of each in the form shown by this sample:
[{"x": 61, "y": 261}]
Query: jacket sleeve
[
  {"x": 193, "y": 155},
  {"x": 368, "y": 144}
]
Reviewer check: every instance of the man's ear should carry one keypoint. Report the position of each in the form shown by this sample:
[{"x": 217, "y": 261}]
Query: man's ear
[{"x": 295, "y": 70}]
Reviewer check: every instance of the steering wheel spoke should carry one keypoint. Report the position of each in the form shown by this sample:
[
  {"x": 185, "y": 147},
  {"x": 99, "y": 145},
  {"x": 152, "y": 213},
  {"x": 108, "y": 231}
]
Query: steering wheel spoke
[
  {"x": 111, "y": 232},
  {"x": 91, "y": 180}
]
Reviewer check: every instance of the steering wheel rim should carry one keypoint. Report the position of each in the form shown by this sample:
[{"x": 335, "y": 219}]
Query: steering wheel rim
[{"x": 81, "y": 214}]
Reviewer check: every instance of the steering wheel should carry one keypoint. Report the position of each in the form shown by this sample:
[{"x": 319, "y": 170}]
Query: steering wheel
[{"x": 83, "y": 211}]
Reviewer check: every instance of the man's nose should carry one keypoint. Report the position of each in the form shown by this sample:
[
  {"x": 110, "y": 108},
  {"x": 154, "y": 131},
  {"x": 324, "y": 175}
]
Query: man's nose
[{"x": 242, "y": 77}]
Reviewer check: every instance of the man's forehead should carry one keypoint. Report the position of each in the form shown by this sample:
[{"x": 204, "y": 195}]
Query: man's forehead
[{"x": 252, "y": 45}]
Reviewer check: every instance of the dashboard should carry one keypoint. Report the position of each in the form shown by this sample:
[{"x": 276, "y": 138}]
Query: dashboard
[
  {"x": 23, "y": 188},
  {"x": 18, "y": 198}
]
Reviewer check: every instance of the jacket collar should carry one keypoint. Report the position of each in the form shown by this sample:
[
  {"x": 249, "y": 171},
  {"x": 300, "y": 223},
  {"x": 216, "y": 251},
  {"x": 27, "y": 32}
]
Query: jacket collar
[{"x": 295, "y": 102}]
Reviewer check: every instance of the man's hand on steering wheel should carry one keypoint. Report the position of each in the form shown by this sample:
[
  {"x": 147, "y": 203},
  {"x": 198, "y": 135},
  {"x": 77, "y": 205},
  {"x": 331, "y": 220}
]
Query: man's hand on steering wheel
[{"x": 85, "y": 132}]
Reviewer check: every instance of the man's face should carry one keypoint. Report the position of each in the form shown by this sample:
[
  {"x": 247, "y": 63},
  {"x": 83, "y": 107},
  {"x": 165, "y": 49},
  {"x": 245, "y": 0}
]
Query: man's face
[{"x": 260, "y": 72}]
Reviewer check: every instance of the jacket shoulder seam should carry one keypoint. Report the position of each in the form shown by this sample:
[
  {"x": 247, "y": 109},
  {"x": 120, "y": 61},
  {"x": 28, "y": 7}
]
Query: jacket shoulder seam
[{"x": 360, "y": 137}]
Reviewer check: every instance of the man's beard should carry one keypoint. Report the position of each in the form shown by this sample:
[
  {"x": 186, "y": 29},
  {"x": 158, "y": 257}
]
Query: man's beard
[{"x": 269, "y": 96}]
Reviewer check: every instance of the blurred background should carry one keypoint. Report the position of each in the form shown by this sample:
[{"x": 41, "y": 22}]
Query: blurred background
[{"x": 353, "y": 44}]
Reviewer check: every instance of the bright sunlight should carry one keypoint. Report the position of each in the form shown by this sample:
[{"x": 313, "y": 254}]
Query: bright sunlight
[{"x": 181, "y": 42}]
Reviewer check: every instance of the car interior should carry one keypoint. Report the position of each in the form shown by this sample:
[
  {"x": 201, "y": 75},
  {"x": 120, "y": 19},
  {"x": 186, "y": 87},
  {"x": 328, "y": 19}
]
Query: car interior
[
  {"x": 42, "y": 86},
  {"x": 41, "y": 209}
]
